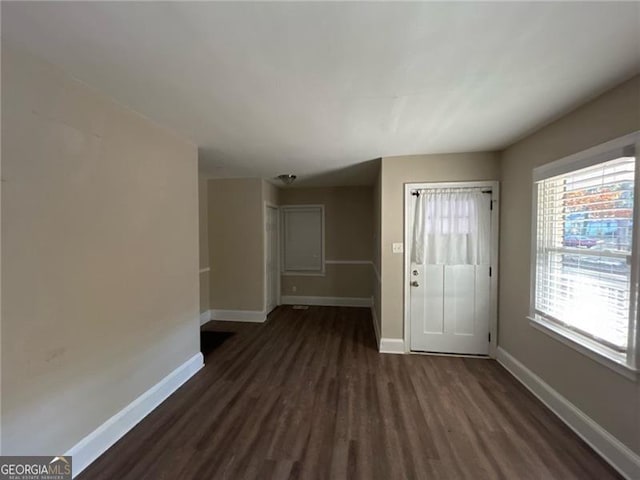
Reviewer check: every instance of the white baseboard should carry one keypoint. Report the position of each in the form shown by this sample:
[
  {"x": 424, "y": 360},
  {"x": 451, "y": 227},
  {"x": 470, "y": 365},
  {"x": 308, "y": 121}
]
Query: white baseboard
[
  {"x": 391, "y": 345},
  {"x": 205, "y": 317},
  {"x": 255, "y": 316},
  {"x": 374, "y": 319},
  {"x": 97, "y": 442},
  {"x": 621, "y": 457},
  {"x": 326, "y": 301}
]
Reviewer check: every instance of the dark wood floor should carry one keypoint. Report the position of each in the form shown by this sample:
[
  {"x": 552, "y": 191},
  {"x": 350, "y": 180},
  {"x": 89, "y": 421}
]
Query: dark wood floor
[{"x": 306, "y": 395}]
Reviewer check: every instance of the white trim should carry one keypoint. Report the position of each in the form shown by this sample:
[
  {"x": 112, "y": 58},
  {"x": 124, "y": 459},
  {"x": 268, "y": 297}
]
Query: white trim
[
  {"x": 256, "y": 316},
  {"x": 374, "y": 319},
  {"x": 392, "y": 345},
  {"x": 268, "y": 205},
  {"x": 592, "y": 156},
  {"x": 302, "y": 274},
  {"x": 324, "y": 272},
  {"x": 590, "y": 349},
  {"x": 494, "y": 185},
  {"x": 326, "y": 301},
  {"x": 621, "y": 457},
  {"x": 97, "y": 442},
  {"x": 495, "y": 264},
  {"x": 348, "y": 262},
  {"x": 205, "y": 317},
  {"x": 586, "y": 158},
  {"x": 454, "y": 355},
  {"x": 204, "y": 270},
  {"x": 633, "y": 341}
]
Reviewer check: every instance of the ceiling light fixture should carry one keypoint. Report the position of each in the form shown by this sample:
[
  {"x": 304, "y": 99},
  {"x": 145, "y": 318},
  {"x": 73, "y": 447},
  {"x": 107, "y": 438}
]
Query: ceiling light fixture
[{"x": 287, "y": 179}]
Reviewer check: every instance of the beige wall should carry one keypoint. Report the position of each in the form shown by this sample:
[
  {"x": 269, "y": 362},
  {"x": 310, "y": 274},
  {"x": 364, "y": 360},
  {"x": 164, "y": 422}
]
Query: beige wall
[
  {"x": 236, "y": 249},
  {"x": 396, "y": 171},
  {"x": 99, "y": 256},
  {"x": 235, "y": 240},
  {"x": 348, "y": 236},
  {"x": 353, "y": 281},
  {"x": 608, "y": 398},
  {"x": 203, "y": 228}
]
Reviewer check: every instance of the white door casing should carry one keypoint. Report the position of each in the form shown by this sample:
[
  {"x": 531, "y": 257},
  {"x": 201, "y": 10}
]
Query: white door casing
[
  {"x": 451, "y": 308},
  {"x": 272, "y": 264}
]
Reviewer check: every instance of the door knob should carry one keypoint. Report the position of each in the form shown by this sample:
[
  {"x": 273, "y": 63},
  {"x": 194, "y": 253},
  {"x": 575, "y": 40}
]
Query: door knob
[{"x": 415, "y": 284}]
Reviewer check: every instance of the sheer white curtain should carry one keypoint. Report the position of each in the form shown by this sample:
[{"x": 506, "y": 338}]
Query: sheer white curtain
[{"x": 451, "y": 227}]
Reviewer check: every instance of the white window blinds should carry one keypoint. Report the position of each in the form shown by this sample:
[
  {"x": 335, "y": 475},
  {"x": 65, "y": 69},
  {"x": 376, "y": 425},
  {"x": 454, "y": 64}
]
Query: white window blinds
[
  {"x": 583, "y": 251},
  {"x": 303, "y": 239}
]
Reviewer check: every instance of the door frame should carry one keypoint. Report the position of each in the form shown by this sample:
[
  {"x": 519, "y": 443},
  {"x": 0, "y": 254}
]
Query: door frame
[
  {"x": 267, "y": 206},
  {"x": 494, "y": 185}
]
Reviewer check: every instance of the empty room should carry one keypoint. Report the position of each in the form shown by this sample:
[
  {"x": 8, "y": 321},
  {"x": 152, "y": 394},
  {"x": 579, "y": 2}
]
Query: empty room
[{"x": 319, "y": 240}]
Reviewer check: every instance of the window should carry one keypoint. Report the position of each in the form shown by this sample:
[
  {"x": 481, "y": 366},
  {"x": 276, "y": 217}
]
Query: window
[
  {"x": 451, "y": 226},
  {"x": 584, "y": 252},
  {"x": 303, "y": 240}
]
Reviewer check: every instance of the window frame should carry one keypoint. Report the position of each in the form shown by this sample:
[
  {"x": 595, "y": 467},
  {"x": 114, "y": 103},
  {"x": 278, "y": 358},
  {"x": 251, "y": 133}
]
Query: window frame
[
  {"x": 629, "y": 364},
  {"x": 308, "y": 273}
]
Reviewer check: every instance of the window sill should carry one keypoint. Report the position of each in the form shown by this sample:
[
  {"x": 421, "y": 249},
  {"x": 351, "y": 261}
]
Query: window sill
[
  {"x": 583, "y": 346},
  {"x": 303, "y": 274}
]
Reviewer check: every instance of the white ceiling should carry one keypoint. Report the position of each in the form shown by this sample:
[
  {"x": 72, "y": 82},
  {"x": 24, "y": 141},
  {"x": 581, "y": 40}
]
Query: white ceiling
[{"x": 319, "y": 89}]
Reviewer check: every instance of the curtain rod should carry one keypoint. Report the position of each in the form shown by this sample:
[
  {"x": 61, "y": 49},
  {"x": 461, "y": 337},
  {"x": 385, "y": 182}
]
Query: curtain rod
[{"x": 416, "y": 193}]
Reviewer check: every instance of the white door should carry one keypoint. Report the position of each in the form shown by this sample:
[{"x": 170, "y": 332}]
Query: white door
[
  {"x": 449, "y": 275},
  {"x": 271, "y": 260}
]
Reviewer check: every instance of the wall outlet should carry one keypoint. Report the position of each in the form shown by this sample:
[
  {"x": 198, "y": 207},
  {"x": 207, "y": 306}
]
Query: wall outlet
[
  {"x": 398, "y": 248},
  {"x": 294, "y": 289}
]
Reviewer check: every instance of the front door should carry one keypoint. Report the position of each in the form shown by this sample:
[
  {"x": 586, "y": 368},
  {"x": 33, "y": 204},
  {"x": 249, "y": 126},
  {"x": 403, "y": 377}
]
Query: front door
[{"x": 450, "y": 284}]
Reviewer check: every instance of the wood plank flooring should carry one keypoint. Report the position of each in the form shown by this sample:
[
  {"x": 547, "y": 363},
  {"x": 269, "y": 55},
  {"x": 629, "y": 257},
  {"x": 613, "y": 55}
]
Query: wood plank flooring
[{"x": 306, "y": 395}]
